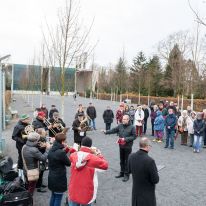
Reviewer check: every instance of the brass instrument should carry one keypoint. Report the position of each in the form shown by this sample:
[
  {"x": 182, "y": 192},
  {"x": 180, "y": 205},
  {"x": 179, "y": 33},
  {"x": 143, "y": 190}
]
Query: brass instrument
[
  {"x": 48, "y": 123},
  {"x": 84, "y": 124},
  {"x": 60, "y": 126},
  {"x": 29, "y": 128}
]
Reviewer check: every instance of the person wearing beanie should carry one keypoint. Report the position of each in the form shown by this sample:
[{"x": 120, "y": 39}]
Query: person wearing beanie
[
  {"x": 39, "y": 121},
  {"x": 24, "y": 121},
  {"x": 31, "y": 157},
  {"x": 83, "y": 180},
  {"x": 52, "y": 110},
  {"x": 199, "y": 127},
  {"x": 58, "y": 161}
]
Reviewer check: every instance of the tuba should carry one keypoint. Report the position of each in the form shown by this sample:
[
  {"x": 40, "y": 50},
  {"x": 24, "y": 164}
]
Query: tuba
[
  {"x": 84, "y": 124},
  {"x": 29, "y": 128}
]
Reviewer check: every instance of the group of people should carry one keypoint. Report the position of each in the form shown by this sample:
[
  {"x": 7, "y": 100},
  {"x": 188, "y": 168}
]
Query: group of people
[{"x": 44, "y": 145}]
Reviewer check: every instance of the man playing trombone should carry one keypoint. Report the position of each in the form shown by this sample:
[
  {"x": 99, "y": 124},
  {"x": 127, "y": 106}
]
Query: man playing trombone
[{"x": 57, "y": 125}]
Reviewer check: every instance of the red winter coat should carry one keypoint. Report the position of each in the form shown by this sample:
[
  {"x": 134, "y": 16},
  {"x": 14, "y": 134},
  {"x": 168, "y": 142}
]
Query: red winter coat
[{"x": 83, "y": 178}]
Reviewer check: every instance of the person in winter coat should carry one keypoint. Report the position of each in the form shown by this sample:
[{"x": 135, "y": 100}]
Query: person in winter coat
[
  {"x": 163, "y": 109},
  {"x": 108, "y": 117},
  {"x": 170, "y": 123},
  {"x": 31, "y": 157},
  {"x": 45, "y": 110},
  {"x": 127, "y": 135},
  {"x": 17, "y": 136},
  {"x": 91, "y": 112},
  {"x": 146, "y": 115},
  {"x": 182, "y": 123},
  {"x": 159, "y": 124},
  {"x": 153, "y": 115},
  {"x": 120, "y": 113},
  {"x": 58, "y": 161},
  {"x": 132, "y": 114},
  {"x": 39, "y": 121},
  {"x": 145, "y": 175},
  {"x": 52, "y": 110},
  {"x": 83, "y": 179},
  {"x": 79, "y": 132},
  {"x": 199, "y": 127},
  {"x": 80, "y": 110},
  {"x": 190, "y": 128},
  {"x": 139, "y": 121}
]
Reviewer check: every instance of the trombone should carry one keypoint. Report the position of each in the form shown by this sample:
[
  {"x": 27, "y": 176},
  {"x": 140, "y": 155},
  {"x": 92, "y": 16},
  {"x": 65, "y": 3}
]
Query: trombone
[{"x": 48, "y": 123}]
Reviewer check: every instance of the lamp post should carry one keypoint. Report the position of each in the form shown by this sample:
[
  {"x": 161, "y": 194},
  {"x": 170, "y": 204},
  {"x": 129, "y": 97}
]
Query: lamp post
[{"x": 2, "y": 141}]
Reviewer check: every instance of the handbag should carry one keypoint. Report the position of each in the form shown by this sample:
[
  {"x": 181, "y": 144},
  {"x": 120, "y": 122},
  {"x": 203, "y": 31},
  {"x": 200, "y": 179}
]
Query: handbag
[{"x": 33, "y": 174}]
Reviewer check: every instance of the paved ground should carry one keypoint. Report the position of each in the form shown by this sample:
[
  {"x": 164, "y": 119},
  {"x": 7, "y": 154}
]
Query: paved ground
[{"x": 182, "y": 182}]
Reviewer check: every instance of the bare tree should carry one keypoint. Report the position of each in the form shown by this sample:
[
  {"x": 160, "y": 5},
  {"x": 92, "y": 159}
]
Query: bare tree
[
  {"x": 66, "y": 41},
  {"x": 199, "y": 19}
]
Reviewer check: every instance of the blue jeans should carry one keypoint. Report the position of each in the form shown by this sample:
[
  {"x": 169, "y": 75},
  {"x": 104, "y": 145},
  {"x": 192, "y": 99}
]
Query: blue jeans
[
  {"x": 56, "y": 199},
  {"x": 170, "y": 134},
  {"x": 77, "y": 204},
  {"x": 92, "y": 123},
  {"x": 197, "y": 142}
]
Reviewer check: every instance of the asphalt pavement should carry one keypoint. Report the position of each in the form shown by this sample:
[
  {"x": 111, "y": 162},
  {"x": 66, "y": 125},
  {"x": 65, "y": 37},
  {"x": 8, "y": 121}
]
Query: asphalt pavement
[{"x": 182, "y": 181}]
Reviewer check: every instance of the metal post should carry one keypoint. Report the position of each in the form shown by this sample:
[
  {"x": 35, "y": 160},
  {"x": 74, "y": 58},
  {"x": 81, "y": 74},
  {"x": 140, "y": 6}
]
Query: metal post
[
  {"x": 192, "y": 101},
  {"x": 2, "y": 140},
  {"x": 75, "y": 81},
  {"x": 3, "y": 100}
]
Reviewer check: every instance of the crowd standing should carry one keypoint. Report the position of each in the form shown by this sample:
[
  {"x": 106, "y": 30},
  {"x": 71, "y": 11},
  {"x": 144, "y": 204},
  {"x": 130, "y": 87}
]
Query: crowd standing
[{"x": 41, "y": 143}]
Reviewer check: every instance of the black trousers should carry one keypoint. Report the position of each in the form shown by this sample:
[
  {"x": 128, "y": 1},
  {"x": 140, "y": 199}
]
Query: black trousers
[
  {"x": 108, "y": 126},
  {"x": 152, "y": 123},
  {"x": 124, "y": 154},
  {"x": 20, "y": 160},
  {"x": 145, "y": 126},
  {"x": 40, "y": 180}
]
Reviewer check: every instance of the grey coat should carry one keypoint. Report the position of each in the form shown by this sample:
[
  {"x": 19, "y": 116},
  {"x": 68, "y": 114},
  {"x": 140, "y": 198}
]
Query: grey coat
[{"x": 32, "y": 155}]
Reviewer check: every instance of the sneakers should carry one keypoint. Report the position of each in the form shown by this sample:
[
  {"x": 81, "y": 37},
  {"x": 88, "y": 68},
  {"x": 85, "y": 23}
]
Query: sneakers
[
  {"x": 159, "y": 141},
  {"x": 154, "y": 140}
]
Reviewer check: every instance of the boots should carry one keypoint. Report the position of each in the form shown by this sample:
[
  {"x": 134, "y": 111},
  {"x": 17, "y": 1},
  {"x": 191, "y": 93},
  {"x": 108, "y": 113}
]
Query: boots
[
  {"x": 126, "y": 178},
  {"x": 120, "y": 175}
]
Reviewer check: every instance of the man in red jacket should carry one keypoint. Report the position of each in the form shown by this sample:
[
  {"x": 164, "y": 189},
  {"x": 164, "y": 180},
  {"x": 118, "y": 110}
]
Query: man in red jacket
[{"x": 83, "y": 179}]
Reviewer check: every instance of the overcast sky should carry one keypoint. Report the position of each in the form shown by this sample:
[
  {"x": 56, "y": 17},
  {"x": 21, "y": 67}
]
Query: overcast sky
[{"x": 130, "y": 24}]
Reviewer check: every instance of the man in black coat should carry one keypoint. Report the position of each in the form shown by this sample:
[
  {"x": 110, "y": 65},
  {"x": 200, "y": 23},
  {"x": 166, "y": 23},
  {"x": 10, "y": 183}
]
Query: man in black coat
[
  {"x": 79, "y": 126},
  {"x": 91, "y": 112},
  {"x": 39, "y": 121},
  {"x": 146, "y": 115},
  {"x": 17, "y": 136},
  {"x": 145, "y": 175},
  {"x": 127, "y": 135},
  {"x": 108, "y": 117}
]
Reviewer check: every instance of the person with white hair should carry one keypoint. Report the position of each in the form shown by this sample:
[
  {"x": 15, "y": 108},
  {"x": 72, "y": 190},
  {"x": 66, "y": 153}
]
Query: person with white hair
[
  {"x": 183, "y": 123},
  {"x": 139, "y": 120},
  {"x": 192, "y": 118}
]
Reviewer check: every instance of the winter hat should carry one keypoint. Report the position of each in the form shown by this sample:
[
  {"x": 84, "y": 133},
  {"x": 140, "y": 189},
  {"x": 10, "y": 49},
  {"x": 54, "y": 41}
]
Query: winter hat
[
  {"x": 24, "y": 116},
  {"x": 33, "y": 137},
  {"x": 184, "y": 113},
  {"x": 41, "y": 114},
  {"x": 87, "y": 142}
]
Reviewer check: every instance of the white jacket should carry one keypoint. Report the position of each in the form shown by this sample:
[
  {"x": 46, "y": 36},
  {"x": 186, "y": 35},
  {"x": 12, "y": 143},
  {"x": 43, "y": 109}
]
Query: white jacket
[
  {"x": 190, "y": 125},
  {"x": 139, "y": 117},
  {"x": 180, "y": 122}
]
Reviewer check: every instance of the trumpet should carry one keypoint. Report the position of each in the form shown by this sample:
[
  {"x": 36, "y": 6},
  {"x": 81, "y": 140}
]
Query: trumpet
[{"x": 48, "y": 123}]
